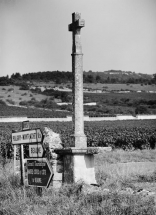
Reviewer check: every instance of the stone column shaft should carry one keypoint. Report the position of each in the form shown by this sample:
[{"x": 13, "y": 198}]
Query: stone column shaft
[{"x": 77, "y": 70}]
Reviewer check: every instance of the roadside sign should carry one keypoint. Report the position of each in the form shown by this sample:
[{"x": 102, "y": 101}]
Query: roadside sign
[
  {"x": 25, "y": 125},
  {"x": 36, "y": 151},
  {"x": 39, "y": 172},
  {"x": 28, "y": 136}
]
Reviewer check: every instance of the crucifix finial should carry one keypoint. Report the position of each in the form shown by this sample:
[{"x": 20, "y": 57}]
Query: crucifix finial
[{"x": 77, "y": 22}]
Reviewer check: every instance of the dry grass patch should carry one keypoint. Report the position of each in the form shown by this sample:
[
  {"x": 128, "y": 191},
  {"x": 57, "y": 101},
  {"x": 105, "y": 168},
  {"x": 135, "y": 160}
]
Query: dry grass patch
[
  {"x": 16, "y": 94},
  {"x": 108, "y": 199}
]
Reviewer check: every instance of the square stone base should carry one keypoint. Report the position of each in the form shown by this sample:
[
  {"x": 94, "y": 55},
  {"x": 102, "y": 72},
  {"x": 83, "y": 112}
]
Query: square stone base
[
  {"x": 78, "y": 164},
  {"x": 79, "y": 167}
]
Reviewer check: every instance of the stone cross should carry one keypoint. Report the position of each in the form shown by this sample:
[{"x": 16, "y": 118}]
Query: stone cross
[
  {"x": 80, "y": 140},
  {"x": 78, "y": 159}
]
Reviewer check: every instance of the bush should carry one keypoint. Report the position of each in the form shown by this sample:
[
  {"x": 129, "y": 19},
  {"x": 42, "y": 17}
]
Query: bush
[
  {"x": 141, "y": 110},
  {"x": 24, "y": 86},
  {"x": 2, "y": 102},
  {"x": 24, "y": 94},
  {"x": 10, "y": 101},
  {"x": 23, "y": 103},
  {"x": 10, "y": 89},
  {"x": 45, "y": 103}
]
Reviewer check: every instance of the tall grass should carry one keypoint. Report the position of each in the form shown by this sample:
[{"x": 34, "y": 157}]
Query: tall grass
[{"x": 78, "y": 198}]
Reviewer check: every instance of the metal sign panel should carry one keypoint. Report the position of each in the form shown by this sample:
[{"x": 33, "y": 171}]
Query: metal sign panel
[
  {"x": 39, "y": 172},
  {"x": 36, "y": 151},
  {"x": 25, "y": 125},
  {"x": 29, "y": 136}
]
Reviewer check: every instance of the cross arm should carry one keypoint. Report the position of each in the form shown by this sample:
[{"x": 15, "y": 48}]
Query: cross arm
[{"x": 80, "y": 23}]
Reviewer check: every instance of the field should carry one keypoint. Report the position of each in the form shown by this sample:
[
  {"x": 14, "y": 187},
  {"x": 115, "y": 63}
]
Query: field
[
  {"x": 14, "y": 94},
  {"x": 15, "y": 111},
  {"x": 126, "y": 178},
  {"x": 106, "y": 103},
  {"x": 126, "y": 181},
  {"x": 109, "y": 87},
  {"x": 112, "y": 87},
  {"x": 127, "y": 135}
]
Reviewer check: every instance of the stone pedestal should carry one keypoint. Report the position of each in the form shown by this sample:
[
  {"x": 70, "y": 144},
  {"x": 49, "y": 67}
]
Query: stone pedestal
[{"x": 78, "y": 164}]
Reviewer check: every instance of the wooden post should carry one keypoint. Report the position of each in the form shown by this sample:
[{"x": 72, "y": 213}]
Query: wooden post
[
  {"x": 39, "y": 191},
  {"x": 15, "y": 159},
  {"x": 22, "y": 165}
]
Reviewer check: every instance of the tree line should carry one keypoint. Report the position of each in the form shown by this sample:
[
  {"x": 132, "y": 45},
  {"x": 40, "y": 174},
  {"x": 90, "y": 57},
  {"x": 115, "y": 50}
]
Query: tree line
[{"x": 58, "y": 77}]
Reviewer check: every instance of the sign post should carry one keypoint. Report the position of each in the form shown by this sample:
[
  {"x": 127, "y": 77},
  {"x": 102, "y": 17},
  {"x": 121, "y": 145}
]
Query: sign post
[
  {"x": 25, "y": 125},
  {"x": 14, "y": 159},
  {"x": 39, "y": 172},
  {"x": 39, "y": 169},
  {"x": 27, "y": 137},
  {"x": 22, "y": 165},
  {"x": 36, "y": 151}
]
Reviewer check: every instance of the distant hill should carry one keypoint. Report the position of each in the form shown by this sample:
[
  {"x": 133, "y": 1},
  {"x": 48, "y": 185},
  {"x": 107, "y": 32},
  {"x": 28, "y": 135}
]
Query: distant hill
[
  {"x": 117, "y": 76},
  {"x": 111, "y": 76}
]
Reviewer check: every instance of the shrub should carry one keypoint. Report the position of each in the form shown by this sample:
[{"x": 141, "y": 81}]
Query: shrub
[
  {"x": 2, "y": 102},
  {"x": 141, "y": 110},
  {"x": 24, "y": 86},
  {"x": 23, "y": 103},
  {"x": 10, "y": 101},
  {"x": 10, "y": 89},
  {"x": 24, "y": 94}
]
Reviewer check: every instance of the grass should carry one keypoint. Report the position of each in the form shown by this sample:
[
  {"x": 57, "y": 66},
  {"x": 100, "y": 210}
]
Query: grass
[
  {"x": 115, "y": 171},
  {"x": 16, "y": 94},
  {"x": 109, "y": 87},
  {"x": 120, "y": 156}
]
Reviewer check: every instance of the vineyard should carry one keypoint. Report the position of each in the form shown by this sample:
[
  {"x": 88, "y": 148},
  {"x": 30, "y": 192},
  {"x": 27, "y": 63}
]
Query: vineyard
[
  {"x": 13, "y": 111},
  {"x": 128, "y": 135}
]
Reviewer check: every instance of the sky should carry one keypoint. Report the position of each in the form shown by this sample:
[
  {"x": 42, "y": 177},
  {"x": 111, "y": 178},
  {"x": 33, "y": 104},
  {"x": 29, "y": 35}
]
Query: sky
[{"x": 118, "y": 34}]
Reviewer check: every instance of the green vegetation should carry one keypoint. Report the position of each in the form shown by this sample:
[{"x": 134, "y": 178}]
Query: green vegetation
[
  {"x": 10, "y": 101},
  {"x": 120, "y": 103},
  {"x": 44, "y": 103},
  {"x": 127, "y": 135},
  {"x": 110, "y": 103},
  {"x": 120, "y": 174},
  {"x": 13, "y": 111},
  {"x": 118, "y": 191},
  {"x": 111, "y": 76}
]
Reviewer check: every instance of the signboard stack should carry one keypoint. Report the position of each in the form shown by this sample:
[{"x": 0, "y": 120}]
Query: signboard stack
[{"x": 39, "y": 169}]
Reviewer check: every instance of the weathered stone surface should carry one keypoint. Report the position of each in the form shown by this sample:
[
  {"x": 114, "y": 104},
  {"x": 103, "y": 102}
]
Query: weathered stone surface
[
  {"x": 51, "y": 140},
  {"x": 87, "y": 150},
  {"x": 79, "y": 139}
]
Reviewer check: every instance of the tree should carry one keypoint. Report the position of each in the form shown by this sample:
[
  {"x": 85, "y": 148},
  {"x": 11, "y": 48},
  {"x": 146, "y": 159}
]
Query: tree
[
  {"x": 141, "y": 110},
  {"x": 17, "y": 75},
  {"x": 154, "y": 78},
  {"x": 98, "y": 78},
  {"x": 4, "y": 81},
  {"x": 90, "y": 79}
]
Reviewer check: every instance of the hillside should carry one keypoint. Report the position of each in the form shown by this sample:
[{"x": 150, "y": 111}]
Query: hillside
[
  {"x": 58, "y": 77},
  {"x": 117, "y": 76}
]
